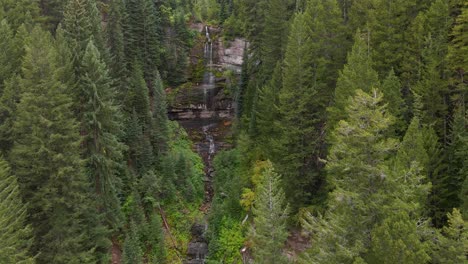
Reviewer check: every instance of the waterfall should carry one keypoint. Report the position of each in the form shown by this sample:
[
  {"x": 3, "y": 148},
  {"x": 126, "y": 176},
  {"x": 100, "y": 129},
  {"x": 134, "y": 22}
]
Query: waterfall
[{"x": 208, "y": 76}]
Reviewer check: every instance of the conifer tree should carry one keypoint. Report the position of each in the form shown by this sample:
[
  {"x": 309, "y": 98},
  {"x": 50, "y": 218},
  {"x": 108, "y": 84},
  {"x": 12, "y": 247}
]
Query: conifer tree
[
  {"x": 390, "y": 20},
  {"x": 15, "y": 235},
  {"x": 458, "y": 61},
  {"x": 397, "y": 240},
  {"x": 268, "y": 113},
  {"x": 357, "y": 74},
  {"x": 115, "y": 43},
  {"x": 366, "y": 192},
  {"x": 81, "y": 23},
  {"x": 132, "y": 253},
  {"x": 158, "y": 105},
  {"x": 142, "y": 36},
  {"x": 450, "y": 244},
  {"x": 18, "y": 12},
  {"x": 391, "y": 88},
  {"x": 100, "y": 127},
  {"x": 46, "y": 159},
  {"x": 308, "y": 79},
  {"x": 274, "y": 34},
  {"x": 457, "y": 161},
  {"x": 270, "y": 215}
]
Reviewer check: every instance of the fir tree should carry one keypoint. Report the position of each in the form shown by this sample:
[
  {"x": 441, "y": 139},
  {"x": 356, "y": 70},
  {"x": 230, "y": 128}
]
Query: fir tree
[
  {"x": 15, "y": 235},
  {"x": 391, "y": 88},
  {"x": 310, "y": 68},
  {"x": 46, "y": 159},
  {"x": 357, "y": 74},
  {"x": 450, "y": 244},
  {"x": 270, "y": 214},
  {"x": 115, "y": 43},
  {"x": 18, "y": 12},
  {"x": 142, "y": 36},
  {"x": 458, "y": 61},
  {"x": 100, "y": 127},
  {"x": 132, "y": 253},
  {"x": 367, "y": 193},
  {"x": 274, "y": 34},
  {"x": 268, "y": 113}
]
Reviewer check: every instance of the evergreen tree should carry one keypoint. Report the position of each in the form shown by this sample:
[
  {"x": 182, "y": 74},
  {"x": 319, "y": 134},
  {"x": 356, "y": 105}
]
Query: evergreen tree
[
  {"x": 450, "y": 245},
  {"x": 142, "y": 36},
  {"x": 367, "y": 193},
  {"x": 274, "y": 34},
  {"x": 18, "y": 12},
  {"x": 15, "y": 235},
  {"x": 81, "y": 23},
  {"x": 160, "y": 129},
  {"x": 310, "y": 68},
  {"x": 132, "y": 253},
  {"x": 458, "y": 61},
  {"x": 268, "y": 113},
  {"x": 115, "y": 43},
  {"x": 457, "y": 162},
  {"x": 270, "y": 215},
  {"x": 100, "y": 127},
  {"x": 397, "y": 240},
  {"x": 46, "y": 160},
  {"x": 357, "y": 74},
  {"x": 388, "y": 27},
  {"x": 391, "y": 88}
]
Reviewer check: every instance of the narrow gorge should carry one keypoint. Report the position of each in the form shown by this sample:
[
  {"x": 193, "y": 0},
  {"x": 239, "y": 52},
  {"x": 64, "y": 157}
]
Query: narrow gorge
[{"x": 205, "y": 107}]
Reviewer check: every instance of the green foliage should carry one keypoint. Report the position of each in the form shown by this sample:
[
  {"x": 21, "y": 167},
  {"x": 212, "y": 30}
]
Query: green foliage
[
  {"x": 230, "y": 241},
  {"x": 451, "y": 245},
  {"x": 396, "y": 240},
  {"x": 360, "y": 224},
  {"x": 46, "y": 159},
  {"x": 310, "y": 68},
  {"x": 142, "y": 36},
  {"x": 357, "y": 74},
  {"x": 132, "y": 253},
  {"x": 18, "y": 12},
  {"x": 268, "y": 232},
  {"x": 100, "y": 127},
  {"x": 15, "y": 235}
]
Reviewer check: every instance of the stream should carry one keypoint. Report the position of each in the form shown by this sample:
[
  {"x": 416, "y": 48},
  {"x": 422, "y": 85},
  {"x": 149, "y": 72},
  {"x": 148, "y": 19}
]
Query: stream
[{"x": 198, "y": 247}]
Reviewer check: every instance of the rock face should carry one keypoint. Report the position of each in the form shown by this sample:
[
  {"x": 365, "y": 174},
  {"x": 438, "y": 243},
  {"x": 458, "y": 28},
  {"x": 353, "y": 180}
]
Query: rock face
[
  {"x": 205, "y": 109},
  {"x": 231, "y": 54}
]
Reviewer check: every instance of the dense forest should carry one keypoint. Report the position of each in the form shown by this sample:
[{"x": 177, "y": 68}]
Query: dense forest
[{"x": 343, "y": 135}]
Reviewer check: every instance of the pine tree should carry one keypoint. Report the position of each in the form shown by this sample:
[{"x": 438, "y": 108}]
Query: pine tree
[
  {"x": 391, "y": 88},
  {"x": 397, "y": 240},
  {"x": 268, "y": 113},
  {"x": 15, "y": 235},
  {"x": 160, "y": 126},
  {"x": 142, "y": 36},
  {"x": 46, "y": 160},
  {"x": 450, "y": 245},
  {"x": 81, "y": 23},
  {"x": 18, "y": 12},
  {"x": 115, "y": 43},
  {"x": 388, "y": 28},
  {"x": 274, "y": 34},
  {"x": 458, "y": 61},
  {"x": 270, "y": 215},
  {"x": 132, "y": 253},
  {"x": 457, "y": 161},
  {"x": 366, "y": 191},
  {"x": 357, "y": 74},
  {"x": 100, "y": 127},
  {"x": 309, "y": 76}
]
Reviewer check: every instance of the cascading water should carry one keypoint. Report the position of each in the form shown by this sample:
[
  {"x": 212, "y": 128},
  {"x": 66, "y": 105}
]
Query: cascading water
[
  {"x": 198, "y": 247},
  {"x": 208, "y": 77}
]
